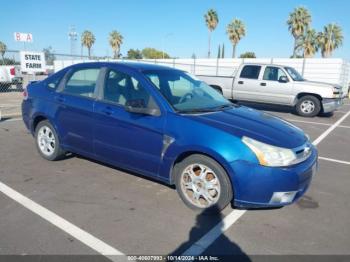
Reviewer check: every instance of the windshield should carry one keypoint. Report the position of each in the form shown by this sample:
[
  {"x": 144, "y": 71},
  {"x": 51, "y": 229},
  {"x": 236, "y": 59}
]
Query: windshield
[
  {"x": 186, "y": 93},
  {"x": 294, "y": 74}
]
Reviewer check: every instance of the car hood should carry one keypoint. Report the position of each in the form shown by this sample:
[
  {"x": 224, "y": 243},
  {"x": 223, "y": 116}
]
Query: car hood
[
  {"x": 317, "y": 84},
  {"x": 243, "y": 121}
]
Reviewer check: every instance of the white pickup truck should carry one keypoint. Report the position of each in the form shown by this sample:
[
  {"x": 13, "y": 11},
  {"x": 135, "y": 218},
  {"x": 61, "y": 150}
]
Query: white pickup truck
[
  {"x": 9, "y": 75},
  {"x": 277, "y": 84}
]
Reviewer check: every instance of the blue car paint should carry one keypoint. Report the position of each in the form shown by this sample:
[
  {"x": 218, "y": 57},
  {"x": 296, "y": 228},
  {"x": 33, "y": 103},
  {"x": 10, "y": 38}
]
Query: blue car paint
[{"x": 83, "y": 128}]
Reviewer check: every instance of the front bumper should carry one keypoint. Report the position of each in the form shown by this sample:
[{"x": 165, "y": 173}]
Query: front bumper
[
  {"x": 331, "y": 104},
  {"x": 259, "y": 186}
]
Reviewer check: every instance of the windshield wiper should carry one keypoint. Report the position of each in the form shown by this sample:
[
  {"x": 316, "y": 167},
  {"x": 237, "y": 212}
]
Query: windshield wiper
[
  {"x": 196, "y": 110},
  {"x": 217, "y": 108},
  {"x": 208, "y": 109}
]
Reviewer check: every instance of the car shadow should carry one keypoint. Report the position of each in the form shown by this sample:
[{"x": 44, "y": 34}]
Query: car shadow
[
  {"x": 268, "y": 107},
  {"x": 277, "y": 108},
  {"x": 225, "y": 249},
  {"x": 128, "y": 172}
]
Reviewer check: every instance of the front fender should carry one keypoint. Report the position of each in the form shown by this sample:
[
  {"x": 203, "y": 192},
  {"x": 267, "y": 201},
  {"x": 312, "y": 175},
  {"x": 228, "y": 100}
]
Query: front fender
[{"x": 175, "y": 152}]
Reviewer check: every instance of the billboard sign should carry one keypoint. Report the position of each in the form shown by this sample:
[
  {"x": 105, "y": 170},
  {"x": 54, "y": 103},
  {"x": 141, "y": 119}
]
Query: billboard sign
[
  {"x": 23, "y": 37},
  {"x": 32, "y": 62}
]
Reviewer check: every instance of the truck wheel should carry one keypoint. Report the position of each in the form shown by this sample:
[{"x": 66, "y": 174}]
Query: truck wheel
[
  {"x": 218, "y": 88},
  {"x": 308, "y": 106},
  {"x": 203, "y": 184},
  {"x": 47, "y": 141}
]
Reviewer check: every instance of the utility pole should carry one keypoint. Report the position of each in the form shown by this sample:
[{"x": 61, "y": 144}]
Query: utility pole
[{"x": 73, "y": 36}]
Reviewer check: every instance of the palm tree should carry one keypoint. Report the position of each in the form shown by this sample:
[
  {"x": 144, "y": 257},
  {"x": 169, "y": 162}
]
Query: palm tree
[
  {"x": 88, "y": 39},
  {"x": 3, "y": 49},
  {"x": 330, "y": 39},
  {"x": 115, "y": 40},
  {"x": 235, "y": 31},
  {"x": 298, "y": 22},
  {"x": 308, "y": 43},
  {"x": 212, "y": 20}
]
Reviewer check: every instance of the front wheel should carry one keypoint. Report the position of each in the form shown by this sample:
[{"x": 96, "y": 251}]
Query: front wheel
[
  {"x": 47, "y": 141},
  {"x": 203, "y": 184},
  {"x": 308, "y": 106}
]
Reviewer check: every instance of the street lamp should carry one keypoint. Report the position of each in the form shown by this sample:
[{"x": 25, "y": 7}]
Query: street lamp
[{"x": 163, "y": 39}]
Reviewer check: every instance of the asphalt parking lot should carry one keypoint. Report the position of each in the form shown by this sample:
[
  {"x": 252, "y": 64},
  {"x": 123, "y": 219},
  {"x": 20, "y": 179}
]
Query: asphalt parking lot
[{"x": 78, "y": 206}]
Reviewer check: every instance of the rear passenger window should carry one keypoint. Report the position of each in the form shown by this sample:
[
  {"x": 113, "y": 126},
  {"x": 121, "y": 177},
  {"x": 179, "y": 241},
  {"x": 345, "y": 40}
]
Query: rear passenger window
[
  {"x": 82, "y": 82},
  {"x": 250, "y": 71}
]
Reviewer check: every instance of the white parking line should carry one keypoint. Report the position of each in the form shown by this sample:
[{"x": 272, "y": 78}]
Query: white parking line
[
  {"x": 330, "y": 129},
  {"x": 313, "y": 123},
  {"x": 76, "y": 232},
  {"x": 201, "y": 245},
  {"x": 307, "y": 122},
  {"x": 334, "y": 160},
  {"x": 344, "y": 126},
  {"x": 205, "y": 241}
]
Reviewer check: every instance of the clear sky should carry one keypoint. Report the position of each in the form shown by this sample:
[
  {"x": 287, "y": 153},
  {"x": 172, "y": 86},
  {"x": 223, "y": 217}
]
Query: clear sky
[{"x": 178, "y": 24}]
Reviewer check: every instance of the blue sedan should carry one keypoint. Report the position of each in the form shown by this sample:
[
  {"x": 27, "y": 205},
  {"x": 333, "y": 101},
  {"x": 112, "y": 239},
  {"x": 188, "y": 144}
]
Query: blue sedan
[{"x": 166, "y": 124}]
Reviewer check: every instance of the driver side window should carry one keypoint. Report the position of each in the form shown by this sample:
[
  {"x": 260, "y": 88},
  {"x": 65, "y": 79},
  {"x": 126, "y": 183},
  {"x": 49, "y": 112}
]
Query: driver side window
[
  {"x": 273, "y": 73},
  {"x": 124, "y": 90}
]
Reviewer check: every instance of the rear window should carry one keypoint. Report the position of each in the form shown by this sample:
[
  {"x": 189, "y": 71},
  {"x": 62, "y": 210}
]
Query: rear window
[
  {"x": 250, "y": 71},
  {"x": 54, "y": 80},
  {"x": 82, "y": 82}
]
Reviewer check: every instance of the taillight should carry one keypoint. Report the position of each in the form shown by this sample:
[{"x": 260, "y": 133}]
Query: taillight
[
  {"x": 12, "y": 71},
  {"x": 25, "y": 94}
]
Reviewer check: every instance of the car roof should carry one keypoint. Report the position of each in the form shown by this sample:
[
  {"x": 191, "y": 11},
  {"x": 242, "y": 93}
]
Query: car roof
[
  {"x": 264, "y": 64},
  {"x": 131, "y": 65}
]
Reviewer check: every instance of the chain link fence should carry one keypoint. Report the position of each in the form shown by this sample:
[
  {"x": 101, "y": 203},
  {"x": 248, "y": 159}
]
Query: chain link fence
[
  {"x": 11, "y": 84},
  {"x": 12, "y": 80}
]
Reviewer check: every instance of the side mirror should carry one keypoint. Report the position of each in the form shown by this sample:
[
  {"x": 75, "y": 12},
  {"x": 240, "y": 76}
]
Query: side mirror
[
  {"x": 143, "y": 110},
  {"x": 138, "y": 106},
  {"x": 283, "y": 79}
]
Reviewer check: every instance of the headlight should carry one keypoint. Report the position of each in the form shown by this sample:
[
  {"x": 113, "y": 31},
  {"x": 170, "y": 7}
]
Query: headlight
[
  {"x": 269, "y": 155},
  {"x": 307, "y": 137}
]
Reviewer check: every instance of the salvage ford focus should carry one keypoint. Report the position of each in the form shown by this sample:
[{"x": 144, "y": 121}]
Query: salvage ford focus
[{"x": 166, "y": 124}]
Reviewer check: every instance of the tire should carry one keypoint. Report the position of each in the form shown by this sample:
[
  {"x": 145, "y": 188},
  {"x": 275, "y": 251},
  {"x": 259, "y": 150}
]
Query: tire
[
  {"x": 47, "y": 141},
  {"x": 214, "y": 177},
  {"x": 218, "y": 89},
  {"x": 308, "y": 106}
]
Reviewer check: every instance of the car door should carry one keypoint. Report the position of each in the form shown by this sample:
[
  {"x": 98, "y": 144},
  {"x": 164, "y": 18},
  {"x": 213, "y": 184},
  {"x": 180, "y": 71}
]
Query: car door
[
  {"x": 275, "y": 86},
  {"x": 74, "y": 115},
  {"x": 130, "y": 140},
  {"x": 247, "y": 83}
]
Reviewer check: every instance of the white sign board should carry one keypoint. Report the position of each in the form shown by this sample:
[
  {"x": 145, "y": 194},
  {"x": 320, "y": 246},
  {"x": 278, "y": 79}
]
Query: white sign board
[
  {"x": 23, "y": 37},
  {"x": 32, "y": 62}
]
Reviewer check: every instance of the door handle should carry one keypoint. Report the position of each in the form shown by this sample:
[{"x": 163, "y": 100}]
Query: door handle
[
  {"x": 107, "y": 111},
  {"x": 263, "y": 84},
  {"x": 240, "y": 82}
]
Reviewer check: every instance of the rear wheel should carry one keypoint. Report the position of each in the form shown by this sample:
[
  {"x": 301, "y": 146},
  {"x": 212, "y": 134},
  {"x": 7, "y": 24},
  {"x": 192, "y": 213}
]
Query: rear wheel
[
  {"x": 203, "y": 184},
  {"x": 218, "y": 88},
  {"x": 47, "y": 141},
  {"x": 308, "y": 106}
]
